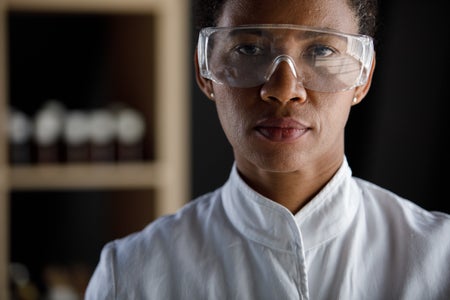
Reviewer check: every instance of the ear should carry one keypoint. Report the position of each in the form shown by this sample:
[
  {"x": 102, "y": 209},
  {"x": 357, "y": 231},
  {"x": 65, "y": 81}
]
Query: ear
[
  {"x": 203, "y": 83},
  {"x": 361, "y": 91}
]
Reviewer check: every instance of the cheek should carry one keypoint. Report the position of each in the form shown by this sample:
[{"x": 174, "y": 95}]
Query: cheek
[
  {"x": 334, "y": 114},
  {"x": 228, "y": 119},
  {"x": 232, "y": 113}
]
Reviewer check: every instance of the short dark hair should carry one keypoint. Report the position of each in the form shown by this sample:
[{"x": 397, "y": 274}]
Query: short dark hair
[{"x": 207, "y": 13}]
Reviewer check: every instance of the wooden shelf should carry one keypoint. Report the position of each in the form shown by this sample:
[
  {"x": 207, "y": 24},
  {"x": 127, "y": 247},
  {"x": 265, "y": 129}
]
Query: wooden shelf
[
  {"x": 86, "y": 176},
  {"x": 85, "y": 5},
  {"x": 165, "y": 175},
  {"x": 162, "y": 34}
]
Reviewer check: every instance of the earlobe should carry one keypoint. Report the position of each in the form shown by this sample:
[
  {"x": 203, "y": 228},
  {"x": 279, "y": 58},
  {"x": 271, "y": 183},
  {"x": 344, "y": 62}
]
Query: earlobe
[
  {"x": 204, "y": 84},
  {"x": 361, "y": 91}
]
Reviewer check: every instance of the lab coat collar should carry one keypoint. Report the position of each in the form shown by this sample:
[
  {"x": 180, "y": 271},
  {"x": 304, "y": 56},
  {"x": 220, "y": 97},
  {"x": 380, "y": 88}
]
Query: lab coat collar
[{"x": 264, "y": 221}]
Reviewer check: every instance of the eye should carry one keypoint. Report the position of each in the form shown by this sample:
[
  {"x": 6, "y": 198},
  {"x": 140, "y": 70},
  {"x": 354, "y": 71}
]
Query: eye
[
  {"x": 320, "y": 51},
  {"x": 250, "y": 50}
]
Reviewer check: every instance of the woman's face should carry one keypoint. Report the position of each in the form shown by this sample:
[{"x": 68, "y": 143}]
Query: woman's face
[{"x": 280, "y": 126}]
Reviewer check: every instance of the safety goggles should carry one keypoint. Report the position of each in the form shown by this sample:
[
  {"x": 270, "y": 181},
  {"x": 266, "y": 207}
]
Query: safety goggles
[{"x": 320, "y": 59}]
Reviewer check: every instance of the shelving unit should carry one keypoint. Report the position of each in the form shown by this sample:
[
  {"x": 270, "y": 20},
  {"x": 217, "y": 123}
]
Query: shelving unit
[
  {"x": 164, "y": 174},
  {"x": 101, "y": 176}
]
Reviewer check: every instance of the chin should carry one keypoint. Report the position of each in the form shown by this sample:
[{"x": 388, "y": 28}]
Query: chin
[{"x": 280, "y": 163}]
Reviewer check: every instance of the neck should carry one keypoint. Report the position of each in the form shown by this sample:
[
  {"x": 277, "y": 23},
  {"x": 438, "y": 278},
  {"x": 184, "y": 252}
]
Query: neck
[{"x": 293, "y": 190}]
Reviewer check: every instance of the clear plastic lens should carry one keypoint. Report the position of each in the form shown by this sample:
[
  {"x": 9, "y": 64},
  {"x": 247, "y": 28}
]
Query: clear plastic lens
[{"x": 321, "y": 60}]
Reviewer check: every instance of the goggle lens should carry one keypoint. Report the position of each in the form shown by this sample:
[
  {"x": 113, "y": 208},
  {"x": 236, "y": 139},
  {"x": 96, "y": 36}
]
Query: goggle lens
[{"x": 321, "y": 60}]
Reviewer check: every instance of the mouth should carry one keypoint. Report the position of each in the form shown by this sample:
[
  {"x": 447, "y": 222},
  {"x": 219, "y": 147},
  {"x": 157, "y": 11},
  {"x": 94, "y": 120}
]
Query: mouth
[{"x": 281, "y": 129}]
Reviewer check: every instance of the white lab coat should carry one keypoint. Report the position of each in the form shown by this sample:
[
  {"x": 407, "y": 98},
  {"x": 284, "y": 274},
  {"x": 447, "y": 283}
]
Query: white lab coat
[{"x": 354, "y": 240}]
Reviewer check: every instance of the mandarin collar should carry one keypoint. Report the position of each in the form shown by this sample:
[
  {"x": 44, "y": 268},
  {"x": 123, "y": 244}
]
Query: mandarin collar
[{"x": 267, "y": 222}]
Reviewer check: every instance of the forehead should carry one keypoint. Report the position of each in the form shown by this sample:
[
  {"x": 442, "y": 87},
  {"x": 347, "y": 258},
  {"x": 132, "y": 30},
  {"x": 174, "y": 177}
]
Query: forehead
[{"x": 332, "y": 14}]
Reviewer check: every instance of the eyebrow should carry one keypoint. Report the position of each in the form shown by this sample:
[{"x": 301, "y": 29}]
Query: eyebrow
[
  {"x": 312, "y": 34},
  {"x": 264, "y": 32},
  {"x": 251, "y": 31}
]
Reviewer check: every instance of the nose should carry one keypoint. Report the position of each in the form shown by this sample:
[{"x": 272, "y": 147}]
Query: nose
[{"x": 282, "y": 84}]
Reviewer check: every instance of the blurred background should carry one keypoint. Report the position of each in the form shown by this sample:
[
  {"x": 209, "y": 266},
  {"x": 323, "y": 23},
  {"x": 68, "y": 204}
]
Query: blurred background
[{"x": 107, "y": 129}]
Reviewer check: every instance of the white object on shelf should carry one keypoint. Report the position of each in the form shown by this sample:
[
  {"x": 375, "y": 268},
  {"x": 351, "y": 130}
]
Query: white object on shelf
[
  {"x": 19, "y": 127},
  {"x": 49, "y": 123},
  {"x": 102, "y": 127},
  {"x": 76, "y": 129},
  {"x": 130, "y": 126}
]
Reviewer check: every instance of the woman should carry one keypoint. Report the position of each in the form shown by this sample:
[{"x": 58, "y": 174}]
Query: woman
[{"x": 291, "y": 222}]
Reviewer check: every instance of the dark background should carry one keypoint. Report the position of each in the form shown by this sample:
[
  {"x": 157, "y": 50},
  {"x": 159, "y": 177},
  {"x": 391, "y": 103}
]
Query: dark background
[{"x": 397, "y": 137}]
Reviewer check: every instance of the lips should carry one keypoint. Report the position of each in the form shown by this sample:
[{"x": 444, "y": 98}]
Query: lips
[{"x": 281, "y": 129}]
